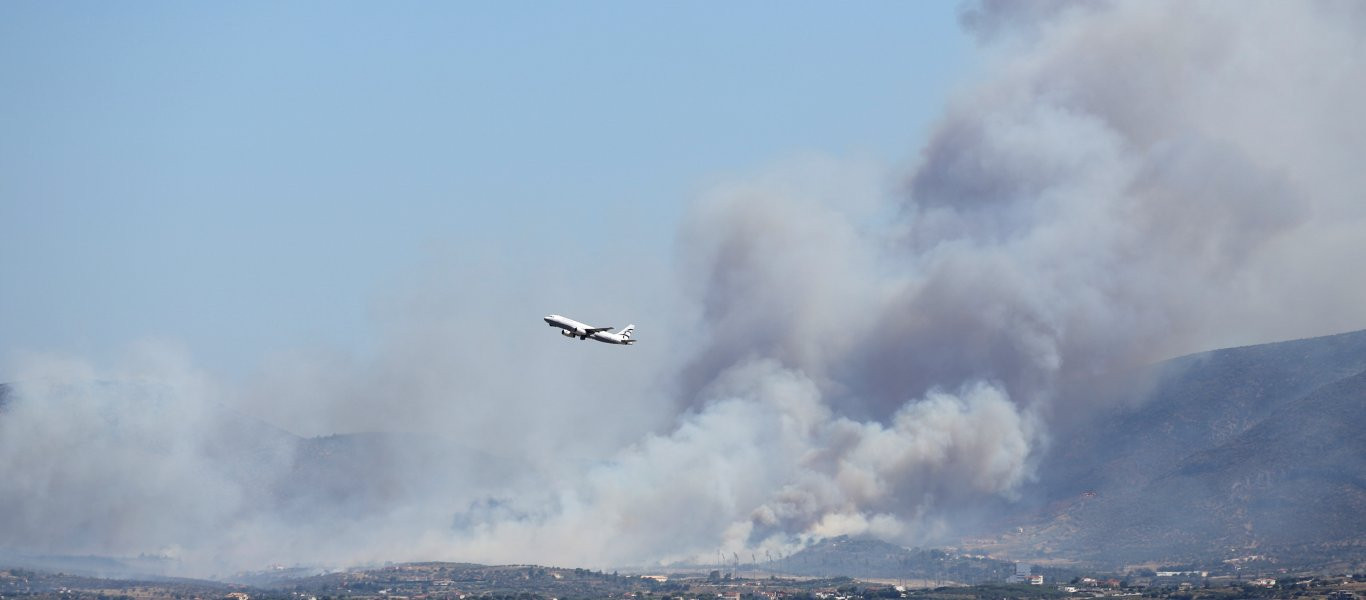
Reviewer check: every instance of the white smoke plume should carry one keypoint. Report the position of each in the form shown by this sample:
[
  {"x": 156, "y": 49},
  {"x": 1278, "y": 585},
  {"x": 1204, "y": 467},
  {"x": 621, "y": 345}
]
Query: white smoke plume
[{"x": 1123, "y": 183}]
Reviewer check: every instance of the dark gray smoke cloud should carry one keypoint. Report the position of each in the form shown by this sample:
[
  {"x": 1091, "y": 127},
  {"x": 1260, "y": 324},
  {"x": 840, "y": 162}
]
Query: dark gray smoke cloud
[
  {"x": 1128, "y": 182},
  {"x": 1125, "y": 182}
]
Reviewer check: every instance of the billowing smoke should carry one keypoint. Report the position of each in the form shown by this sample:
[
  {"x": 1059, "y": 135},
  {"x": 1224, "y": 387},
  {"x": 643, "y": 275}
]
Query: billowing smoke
[{"x": 871, "y": 354}]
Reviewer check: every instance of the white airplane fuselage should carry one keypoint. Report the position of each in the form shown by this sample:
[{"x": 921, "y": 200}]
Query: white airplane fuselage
[
  {"x": 612, "y": 338},
  {"x": 571, "y": 328}
]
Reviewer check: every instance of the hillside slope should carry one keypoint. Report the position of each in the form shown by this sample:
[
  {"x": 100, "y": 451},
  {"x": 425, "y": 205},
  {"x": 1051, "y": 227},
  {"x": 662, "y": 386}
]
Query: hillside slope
[{"x": 1233, "y": 452}]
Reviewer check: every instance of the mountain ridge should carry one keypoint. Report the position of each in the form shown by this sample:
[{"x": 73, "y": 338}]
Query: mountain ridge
[{"x": 1231, "y": 452}]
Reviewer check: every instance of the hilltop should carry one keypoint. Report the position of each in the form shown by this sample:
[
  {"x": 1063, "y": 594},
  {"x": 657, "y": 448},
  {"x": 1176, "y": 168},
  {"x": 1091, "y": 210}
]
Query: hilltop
[
  {"x": 1250, "y": 451},
  {"x": 870, "y": 558}
]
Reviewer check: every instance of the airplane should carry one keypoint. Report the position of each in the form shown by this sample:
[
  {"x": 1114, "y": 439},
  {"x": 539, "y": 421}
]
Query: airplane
[{"x": 579, "y": 330}]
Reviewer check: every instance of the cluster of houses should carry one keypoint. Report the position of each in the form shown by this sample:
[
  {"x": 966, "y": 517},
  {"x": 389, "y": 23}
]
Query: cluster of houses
[{"x": 1024, "y": 574}]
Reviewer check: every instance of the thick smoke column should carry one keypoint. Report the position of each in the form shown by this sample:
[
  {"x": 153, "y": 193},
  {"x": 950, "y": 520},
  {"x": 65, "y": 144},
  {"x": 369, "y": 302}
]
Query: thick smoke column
[
  {"x": 1126, "y": 182},
  {"x": 1132, "y": 181}
]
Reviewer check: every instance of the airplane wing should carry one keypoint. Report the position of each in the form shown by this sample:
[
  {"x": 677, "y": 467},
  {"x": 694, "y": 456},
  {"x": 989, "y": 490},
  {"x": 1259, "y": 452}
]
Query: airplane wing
[{"x": 593, "y": 330}]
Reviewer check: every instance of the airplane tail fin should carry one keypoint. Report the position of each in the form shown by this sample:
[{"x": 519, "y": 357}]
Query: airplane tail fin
[{"x": 626, "y": 331}]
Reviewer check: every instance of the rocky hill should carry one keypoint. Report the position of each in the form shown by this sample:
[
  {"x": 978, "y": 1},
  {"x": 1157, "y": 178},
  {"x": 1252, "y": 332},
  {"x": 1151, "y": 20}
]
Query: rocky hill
[
  {"x": 1235, "y": 452},
  {"x": 867, "y": 558}
]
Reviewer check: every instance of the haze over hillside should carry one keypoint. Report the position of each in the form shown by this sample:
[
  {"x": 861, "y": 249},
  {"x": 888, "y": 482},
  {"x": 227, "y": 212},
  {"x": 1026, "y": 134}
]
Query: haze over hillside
[
  {"x": 953, "y": 347},
  {"x": 1246, "y": 451}
]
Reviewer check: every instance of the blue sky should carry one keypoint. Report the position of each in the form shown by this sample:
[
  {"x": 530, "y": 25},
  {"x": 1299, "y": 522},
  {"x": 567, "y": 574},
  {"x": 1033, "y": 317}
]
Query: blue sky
[{"x": 243, "y": 178}]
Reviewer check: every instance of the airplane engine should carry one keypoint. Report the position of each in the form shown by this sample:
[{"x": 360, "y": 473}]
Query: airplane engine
[{"x": 567, "y": 333}]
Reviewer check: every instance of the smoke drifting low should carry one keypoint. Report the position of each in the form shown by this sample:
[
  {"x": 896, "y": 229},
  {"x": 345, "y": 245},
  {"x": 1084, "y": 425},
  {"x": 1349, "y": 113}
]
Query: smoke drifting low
[{"x": 1124, "y": 183}]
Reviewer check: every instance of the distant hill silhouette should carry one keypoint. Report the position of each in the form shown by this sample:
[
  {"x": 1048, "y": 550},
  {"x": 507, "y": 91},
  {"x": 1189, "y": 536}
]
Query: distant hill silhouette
[
  {"x": 1251, "y": 450},
  {"x": 868, "y": 558},
  {"x": 1259, "y": 450}
]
